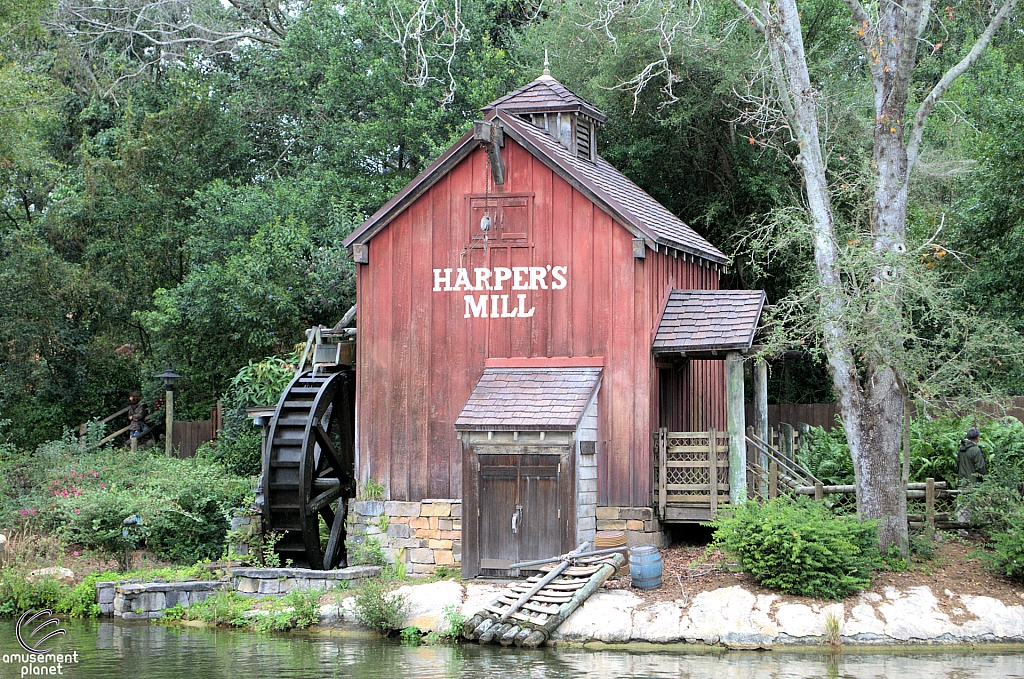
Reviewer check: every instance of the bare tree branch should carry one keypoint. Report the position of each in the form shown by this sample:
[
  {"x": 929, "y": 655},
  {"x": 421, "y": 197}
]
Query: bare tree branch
[
  {"x": 749, "y": 15},
  {"x": 928, "y": 105},
  {"x": 430, "y": 34}
]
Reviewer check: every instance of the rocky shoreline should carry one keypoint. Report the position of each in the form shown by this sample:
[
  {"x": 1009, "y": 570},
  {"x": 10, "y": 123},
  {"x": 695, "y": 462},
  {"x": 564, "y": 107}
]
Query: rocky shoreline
[{"x": 736, "y": 618}]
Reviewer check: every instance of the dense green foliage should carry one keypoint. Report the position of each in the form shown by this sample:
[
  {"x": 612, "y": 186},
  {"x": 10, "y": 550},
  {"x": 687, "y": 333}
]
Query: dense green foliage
[
  {"x": 800, "y": 547},
  {"x": 933, "y": 449},
  {"x": 83, "y": 498}
]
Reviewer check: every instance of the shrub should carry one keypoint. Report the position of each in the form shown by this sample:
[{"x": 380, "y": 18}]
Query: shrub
[
  {"x": 365, "y": 553},
  {"x": 453, "y": 621},
  {"x": 1007, "y": 556},
  {"x": 378, "y": 608},
  {"x": 993, "y": 502},
  {"x": 185, "y": 505},
  {"x": 800, "y": 547}
]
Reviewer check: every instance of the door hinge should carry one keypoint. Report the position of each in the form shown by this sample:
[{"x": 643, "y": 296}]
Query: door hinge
[
  {"x": 559, "y": 513},
  {"x": 478, "y": 512}
]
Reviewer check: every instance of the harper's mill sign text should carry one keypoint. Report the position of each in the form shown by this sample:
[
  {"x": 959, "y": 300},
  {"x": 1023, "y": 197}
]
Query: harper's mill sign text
[{"x": 498, "y": 279}]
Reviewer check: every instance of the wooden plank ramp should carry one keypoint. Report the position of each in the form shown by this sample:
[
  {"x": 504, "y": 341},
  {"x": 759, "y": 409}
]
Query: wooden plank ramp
[{"x": 532, "y": 622}]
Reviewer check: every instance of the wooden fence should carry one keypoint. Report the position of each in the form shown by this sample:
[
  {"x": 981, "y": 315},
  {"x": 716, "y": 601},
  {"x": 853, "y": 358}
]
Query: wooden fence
[
  {"x": 814, "y": 414},
  {"x": 188, "y": 436}
]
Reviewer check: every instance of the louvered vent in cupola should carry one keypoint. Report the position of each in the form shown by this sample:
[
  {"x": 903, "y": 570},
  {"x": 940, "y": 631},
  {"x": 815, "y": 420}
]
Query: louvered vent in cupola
[{"x": 584, "y": 139}]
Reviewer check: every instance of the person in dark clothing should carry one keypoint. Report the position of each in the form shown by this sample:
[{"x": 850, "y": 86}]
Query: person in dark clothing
[
  {"x": 971, "y": 467},
  {"x": 136, "y": 418},
  {"x": 970, "y": 461}
]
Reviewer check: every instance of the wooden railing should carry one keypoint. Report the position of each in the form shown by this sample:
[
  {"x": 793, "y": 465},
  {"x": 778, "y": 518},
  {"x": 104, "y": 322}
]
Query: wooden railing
[
  {"x": 685, "y": 461},
  {"x": 769, "y": 469}
]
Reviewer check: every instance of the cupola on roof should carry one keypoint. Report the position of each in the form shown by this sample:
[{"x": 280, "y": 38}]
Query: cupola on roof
[{"x": 545, "y": 95}]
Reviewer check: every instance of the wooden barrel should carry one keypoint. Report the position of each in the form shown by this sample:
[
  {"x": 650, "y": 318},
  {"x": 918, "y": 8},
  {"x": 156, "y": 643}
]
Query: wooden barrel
[
  {"x": 609, "y": 539},
  {"x": 645, "y": 566}
]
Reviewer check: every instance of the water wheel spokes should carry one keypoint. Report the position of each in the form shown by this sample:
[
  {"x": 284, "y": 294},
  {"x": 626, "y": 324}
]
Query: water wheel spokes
[{"x": 309, "y": 470}]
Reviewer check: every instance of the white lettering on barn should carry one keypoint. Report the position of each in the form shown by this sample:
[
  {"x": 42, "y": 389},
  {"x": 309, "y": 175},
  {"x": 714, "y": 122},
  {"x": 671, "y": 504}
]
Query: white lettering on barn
[{"x": 499, "y": 278}]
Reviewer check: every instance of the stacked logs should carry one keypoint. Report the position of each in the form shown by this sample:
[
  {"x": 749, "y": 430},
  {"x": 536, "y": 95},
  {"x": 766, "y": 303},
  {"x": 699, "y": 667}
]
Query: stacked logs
[{"x": 530, "y": 611}]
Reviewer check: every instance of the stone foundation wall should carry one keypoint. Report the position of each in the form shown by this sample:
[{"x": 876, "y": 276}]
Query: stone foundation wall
[
  {"x": 148, "y": 601},
  {"x": 279, "y": 581},
  {"x": 423, "y": 535},
  {"x": 638, "y": 522}
]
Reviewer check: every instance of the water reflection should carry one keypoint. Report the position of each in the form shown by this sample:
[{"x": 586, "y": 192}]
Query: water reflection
[{"x": 114, "y": 650}]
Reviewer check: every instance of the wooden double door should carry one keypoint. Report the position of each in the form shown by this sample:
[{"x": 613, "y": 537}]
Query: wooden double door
[{"x": 524, "y": 507}]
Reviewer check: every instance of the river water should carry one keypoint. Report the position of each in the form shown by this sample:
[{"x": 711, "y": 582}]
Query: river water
[{"x": 108, "y": 650}]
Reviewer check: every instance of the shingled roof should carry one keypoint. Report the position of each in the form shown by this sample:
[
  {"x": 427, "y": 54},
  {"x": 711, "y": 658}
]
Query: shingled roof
[
  {"x": 626, "y": 202},
  {"x": 702, "y": 321},
  {"x": 544, "y": 95},
  {"x": 608, "y": 187},
  {"x": 529, "y": 399}
]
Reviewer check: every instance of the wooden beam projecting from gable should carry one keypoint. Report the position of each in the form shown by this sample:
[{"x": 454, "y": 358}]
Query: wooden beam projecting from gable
[{"x": 493, "y": 137}]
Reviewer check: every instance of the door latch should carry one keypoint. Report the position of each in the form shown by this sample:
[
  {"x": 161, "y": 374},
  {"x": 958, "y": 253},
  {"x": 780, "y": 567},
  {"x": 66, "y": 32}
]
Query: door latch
[{"x": 516, "y": 517}]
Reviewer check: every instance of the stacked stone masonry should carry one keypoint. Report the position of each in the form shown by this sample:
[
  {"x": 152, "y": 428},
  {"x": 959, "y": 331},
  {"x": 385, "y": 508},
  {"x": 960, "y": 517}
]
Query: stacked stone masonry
[
  {"x": 136, "y": 601},
  {"x": 279, "y": 581},
  {"x": 639, "y": 524},
  {"x": 424, "y": 535}
]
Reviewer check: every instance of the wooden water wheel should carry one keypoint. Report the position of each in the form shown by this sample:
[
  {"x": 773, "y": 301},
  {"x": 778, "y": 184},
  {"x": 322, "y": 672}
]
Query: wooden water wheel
[{"x": 308, "y": 471}]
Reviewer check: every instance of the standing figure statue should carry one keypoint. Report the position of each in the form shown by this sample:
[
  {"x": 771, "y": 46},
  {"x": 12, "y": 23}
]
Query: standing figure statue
[
  {"x": 136, "y": 418},
  {"x": 971, "y": 468}
]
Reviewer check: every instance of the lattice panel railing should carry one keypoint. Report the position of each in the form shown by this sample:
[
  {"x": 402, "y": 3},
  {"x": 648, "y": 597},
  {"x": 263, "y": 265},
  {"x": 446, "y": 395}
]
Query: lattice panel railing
[{"x": 685, "y": 461}]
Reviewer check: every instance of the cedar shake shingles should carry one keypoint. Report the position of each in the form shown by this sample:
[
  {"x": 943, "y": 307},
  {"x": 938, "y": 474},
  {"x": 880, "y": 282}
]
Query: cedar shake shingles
[
  {"x": 524, "y": 399},
  {"x": 709, "y": 320},
  {"x": 545, "y": 94}
]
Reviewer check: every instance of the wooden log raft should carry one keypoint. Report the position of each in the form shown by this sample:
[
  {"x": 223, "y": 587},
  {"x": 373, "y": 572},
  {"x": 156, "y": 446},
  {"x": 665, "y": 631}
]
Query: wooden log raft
[{"x": 507, "y": 620}]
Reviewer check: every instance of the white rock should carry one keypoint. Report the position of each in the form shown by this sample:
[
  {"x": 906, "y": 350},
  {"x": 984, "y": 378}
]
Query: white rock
[
  {"x": 994, "y": 618},
  {"x": 52, "y": 573},
  {"x": 863, "y": 620},
  {"x": 914, "y": 615},
  {"x": 658, "y": 623},
  {"x": 425, "y": 603},
  {"x": 607, "y": 616},
  {"x": 798, "y": 620},
  {"x": 478, "y": 595},
  {"x": 728, "y": 615}
]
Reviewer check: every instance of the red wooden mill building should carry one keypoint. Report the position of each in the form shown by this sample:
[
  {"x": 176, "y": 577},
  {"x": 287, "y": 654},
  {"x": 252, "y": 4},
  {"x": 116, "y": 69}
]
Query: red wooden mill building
[{"x": 528, "y": 319}]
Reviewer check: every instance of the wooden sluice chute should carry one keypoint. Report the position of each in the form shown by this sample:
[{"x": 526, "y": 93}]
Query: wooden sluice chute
[{"x": 530, "y": 610}]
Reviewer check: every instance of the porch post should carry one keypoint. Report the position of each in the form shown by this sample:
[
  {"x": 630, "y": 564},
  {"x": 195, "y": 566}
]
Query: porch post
[
  {"x": 737, "y": 428},
  {"x": 761, "y": 406}
]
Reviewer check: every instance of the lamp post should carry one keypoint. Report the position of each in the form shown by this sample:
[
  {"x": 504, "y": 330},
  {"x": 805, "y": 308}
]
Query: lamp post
[{"x": 169, "y": 377}]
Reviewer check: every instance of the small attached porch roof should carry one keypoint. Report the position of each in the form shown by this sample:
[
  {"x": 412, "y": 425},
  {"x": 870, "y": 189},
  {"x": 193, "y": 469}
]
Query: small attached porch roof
[
  {"x": 705, "y": 323},
  {"x": 529, "y": 399}
]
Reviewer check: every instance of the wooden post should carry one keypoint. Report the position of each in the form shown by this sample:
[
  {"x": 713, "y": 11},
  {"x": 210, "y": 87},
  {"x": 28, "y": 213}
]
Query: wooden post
[
  {"x": 761, "y": 408},
  {"x": 819, "y": 491},
  {"x": 168, "y": 422},
  {"x": 713, "y": 470},
  {"x": 662, "y": 470},
  {"x": 737, "y": 428},
  {"x": 773, "y": 480},
  {"x": 929, "y": 504},
  {"x": 786, "y": 443}
]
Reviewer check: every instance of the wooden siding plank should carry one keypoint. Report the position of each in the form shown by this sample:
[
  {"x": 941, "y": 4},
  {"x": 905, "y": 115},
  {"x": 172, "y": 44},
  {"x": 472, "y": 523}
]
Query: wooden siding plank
[
  {"x": 543, "y": 255},
  {"x": 561, "y": 252},
  {"x": 604, "y": 230},
  {"x": 401, "y": 304},
  {"x": 581, "y": 266}
]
